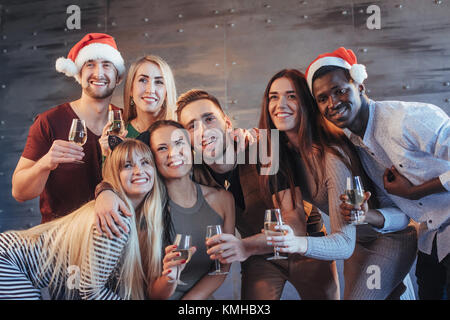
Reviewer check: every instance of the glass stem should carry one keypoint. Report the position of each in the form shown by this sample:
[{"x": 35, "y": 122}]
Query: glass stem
[{"x": 217, "y": 265}]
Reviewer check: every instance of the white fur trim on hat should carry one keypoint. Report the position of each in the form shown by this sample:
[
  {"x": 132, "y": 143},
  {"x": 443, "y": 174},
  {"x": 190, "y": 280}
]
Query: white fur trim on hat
[
  {"x": 326, "y": 61},
  {"x": 66, "y": 66},
  {"x": 358, "y": 72},
  {"x": 100, "y": 51}
]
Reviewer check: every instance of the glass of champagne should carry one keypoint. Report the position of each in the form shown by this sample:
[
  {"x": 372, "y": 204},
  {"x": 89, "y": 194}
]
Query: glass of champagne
[
  {"x": 355, "y": 194},
  {"x": 183, "y": 243},
  {"x": 273, "y": 218},
  {"x": 78, "y": 133},
  {"x": 117, "y": 124},
  {"x": 210, "y": 232}
]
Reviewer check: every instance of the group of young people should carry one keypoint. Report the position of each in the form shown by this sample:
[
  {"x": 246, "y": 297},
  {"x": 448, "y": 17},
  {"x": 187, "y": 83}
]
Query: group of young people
[{"x": 113, "y": 218}]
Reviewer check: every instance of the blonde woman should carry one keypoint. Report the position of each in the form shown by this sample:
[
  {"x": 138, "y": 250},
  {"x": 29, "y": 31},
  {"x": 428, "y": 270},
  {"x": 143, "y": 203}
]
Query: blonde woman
[
  {"x": 149, "y": 95},
  {"x": 69, "y": 253}
]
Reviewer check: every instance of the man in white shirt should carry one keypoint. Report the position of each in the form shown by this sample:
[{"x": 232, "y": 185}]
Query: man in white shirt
[{"x": 404, "y": 148}]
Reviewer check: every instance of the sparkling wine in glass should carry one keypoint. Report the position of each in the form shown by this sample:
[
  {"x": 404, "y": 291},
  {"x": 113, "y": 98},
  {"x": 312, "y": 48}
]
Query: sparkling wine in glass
[
  {"x": 78, "y": 134},
  {"x": 355, "y": 194},
  {"x": 210, "y": 232},
  {"x": 183, "y": 243},
  {"x": 273, "y": 218},
  {"x": 117, "y": 124}
]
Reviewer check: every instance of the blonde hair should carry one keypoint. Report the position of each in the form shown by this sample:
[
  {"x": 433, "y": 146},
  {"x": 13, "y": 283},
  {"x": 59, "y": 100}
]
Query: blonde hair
[
  {"x": 68, "y": 240},
  {"x": 169, "y": 104}
]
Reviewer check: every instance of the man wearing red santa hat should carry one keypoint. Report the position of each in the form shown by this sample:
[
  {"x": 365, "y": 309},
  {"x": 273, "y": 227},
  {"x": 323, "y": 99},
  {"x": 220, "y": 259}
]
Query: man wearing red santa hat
[
  {"x": 62, "y": 173},
  {"x": 404, "y": 148}
]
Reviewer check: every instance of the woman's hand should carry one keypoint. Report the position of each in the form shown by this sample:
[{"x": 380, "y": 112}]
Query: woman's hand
[
  {"x": 346, "y": 208},
  {"x": 170, "y": 261},
  {"x": 288, "y": 242},
  {"x": 103, "y": 141}
]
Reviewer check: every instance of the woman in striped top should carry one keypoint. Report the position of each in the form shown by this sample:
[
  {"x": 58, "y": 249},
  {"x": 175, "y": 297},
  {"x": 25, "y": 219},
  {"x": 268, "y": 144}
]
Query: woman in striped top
[{"x": 72, "y": 259}]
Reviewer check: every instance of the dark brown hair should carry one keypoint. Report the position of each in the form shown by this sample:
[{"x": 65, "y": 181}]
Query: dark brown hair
[{"x": 316, "y": 137}]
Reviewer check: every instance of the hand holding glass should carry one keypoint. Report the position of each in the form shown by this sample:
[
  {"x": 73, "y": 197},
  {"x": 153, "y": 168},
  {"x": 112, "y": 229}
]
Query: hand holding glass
[
  {"x": 210, "y": 232},
  {"x": 355, "y": 195},
  {"x": 183, "y": 243},
  {"x": 78, "y": 133},
  {"x": 273, "y": 218}
]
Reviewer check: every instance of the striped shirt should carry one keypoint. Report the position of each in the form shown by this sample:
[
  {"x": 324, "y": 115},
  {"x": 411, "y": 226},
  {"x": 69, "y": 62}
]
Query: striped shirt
[{"x": 22, "y": 277}]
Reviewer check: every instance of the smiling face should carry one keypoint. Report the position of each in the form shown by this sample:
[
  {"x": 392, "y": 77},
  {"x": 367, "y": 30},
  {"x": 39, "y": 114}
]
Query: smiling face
[
  {"x": 284, "y": 105},
  {"x": 207, "y": 127},
  {"x": 338, "y": 98},
  {"x": 98, "y": 78},
  {"x": 137, "y": 177},
  {"x": 148, "y": 89},
  {"x": 172, "y": 151}
]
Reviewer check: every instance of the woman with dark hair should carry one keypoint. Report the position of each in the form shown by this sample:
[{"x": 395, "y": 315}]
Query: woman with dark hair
[{"x": 315, "y": 160}]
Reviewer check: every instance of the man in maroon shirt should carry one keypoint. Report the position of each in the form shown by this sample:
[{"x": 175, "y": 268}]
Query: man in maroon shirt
[{"x": 50, "y": 166}]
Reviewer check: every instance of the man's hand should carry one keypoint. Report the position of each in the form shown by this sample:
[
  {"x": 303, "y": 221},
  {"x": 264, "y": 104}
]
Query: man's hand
[
  {"x": 398, "y": 185},
  {"x": 107, "y": 210},
  {"x": 61, "y": 152},
  {"x": 227, "y": 248},
  {"x": 244, "y": 137},
  {"x": 346, "y": 208}
]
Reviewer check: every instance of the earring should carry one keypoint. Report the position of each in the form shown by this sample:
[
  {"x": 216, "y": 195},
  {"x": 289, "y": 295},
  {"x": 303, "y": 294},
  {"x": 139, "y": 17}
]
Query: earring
[{"x": 131, "y": 101}]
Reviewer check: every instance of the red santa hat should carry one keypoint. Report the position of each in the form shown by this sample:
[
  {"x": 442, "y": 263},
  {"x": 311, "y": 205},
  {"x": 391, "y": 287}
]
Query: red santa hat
[
  {"x": 344, "y": 58},
  {"x": 93, "y": 46}
]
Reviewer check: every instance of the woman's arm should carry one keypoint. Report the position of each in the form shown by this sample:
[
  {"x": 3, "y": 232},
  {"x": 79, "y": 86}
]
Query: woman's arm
[{"x": 208, "y": 284}]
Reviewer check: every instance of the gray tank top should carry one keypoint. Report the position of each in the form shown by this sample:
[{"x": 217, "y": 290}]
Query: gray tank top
[{"x": 193, "y": 221}]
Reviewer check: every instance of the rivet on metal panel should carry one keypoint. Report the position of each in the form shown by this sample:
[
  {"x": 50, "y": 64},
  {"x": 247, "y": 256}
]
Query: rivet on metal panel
[
  {"x": 216, "y": 26},
  {"x": 446, "y": 84},
  {"x": 406, "y": 87},
  {"x": 234, "y": 101},
  {"x": 364, "y": 50},
  {"x": 180, "y": 16},
  {"x": 2, "y": 122},
  {"x": 361, "y": 10},
  {"x": 5, "y": 51},
  {"x": 99, "y": 25},
  {"x": 180, "y": 30},
  {"x": 305, "y": 17},
  {"x": 216, "y": 11},
  {"x": 146, "y": 20},
  {"x": 217, "y": 64},
  {"x": 267, "y": 6},
  {"x": 344, "y": 12},
  {"x": 399, "y": 6},
  {"x": 232, "y": 24},
  {"x": 113, "y": 23},
  {"x": 304, "y": 2},
  {"x": 231, "y": 10},
  {"x": 233, "y": 63},
  {"x": 438, "y": 1},
  {"x": 146, "y": 35},
  {"x": 35, "y": 33},
  {"x": 268, "y": 20},
  {"x": 3, "y": 86}
]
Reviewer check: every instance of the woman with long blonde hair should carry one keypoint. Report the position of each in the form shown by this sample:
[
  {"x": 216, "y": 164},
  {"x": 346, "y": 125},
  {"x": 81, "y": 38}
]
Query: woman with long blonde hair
[
  {"x": 149, "y": 95},
  {"x": 69, "y": 253}
]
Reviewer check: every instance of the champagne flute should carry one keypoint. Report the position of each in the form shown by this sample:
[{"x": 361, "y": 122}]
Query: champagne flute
[
  {"x": 273, "y": 218},
  {"x": 355, "y": 195},
  {"x": 183, "y": 243},
  {"x": 78, "y": 133},
  {"x": 210, "y": 232},
  {"x": 117, "y": 124}
]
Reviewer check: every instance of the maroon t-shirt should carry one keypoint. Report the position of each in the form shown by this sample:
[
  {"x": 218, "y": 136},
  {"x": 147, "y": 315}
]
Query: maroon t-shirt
[{"x": 70, "y": 185}]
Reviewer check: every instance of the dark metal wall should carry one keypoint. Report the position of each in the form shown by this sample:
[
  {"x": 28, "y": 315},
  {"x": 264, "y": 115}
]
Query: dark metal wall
[{"x": 230, "y": 48}]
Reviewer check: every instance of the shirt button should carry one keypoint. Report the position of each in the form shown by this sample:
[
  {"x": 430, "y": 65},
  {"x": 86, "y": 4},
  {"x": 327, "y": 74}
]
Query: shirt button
[
  {"x": 401, "y": 166},
  {"x": 430, "y": 221},
  {"x": 420, "y": 204}
]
